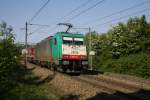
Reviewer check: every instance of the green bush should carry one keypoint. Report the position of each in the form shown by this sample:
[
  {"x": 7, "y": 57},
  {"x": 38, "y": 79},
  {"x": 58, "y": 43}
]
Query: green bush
[
  {"x": 8, "y": 66},
  {"x": 134, "y": 64}
]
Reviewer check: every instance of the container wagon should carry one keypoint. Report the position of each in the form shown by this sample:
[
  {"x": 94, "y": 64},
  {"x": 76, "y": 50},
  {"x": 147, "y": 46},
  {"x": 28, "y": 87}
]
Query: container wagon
[
  {"x": 30, "y": 54},
  {"x": 43, "y": 52}
]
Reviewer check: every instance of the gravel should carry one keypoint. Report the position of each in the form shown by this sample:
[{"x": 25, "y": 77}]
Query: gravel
[
  {"x": 128, "y": 79},
  {"x": 71, "y": 86},
  {"x": 65, "y": 83}
]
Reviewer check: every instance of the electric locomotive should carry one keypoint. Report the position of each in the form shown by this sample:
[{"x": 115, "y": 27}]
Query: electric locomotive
[
  {"x": 69, "y": 51},
  {"x": 65, "y": 51}
]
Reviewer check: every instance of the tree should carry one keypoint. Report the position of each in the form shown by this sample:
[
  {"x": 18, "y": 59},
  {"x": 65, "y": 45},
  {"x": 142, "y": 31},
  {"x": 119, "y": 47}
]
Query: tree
[
  {"x": 5, "y": 30},
  {"x": 8, "y": 59}
]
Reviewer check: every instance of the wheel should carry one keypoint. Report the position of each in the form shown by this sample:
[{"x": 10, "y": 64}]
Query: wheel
[
  {"x": 54, "y": 67},
  {"x": 49, "y": 66},
  {"x": 64, "y": 69}
]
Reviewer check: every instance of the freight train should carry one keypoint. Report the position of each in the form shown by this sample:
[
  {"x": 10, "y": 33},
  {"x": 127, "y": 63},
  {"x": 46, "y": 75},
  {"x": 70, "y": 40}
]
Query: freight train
[{"x": 65, "y": 51}]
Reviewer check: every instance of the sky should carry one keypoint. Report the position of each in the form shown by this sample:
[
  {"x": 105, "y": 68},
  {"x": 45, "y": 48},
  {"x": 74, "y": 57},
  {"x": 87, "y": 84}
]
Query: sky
[{"x": 17, "y": 12}]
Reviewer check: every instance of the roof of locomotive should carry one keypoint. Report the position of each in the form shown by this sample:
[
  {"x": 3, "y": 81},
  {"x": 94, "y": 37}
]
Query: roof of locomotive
[
  {"x": 66, "y": 34},
  {"x": 70, "y": 34}
]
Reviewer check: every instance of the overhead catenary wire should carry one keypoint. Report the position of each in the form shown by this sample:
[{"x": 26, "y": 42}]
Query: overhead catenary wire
[
  {"x": 84, "y": 11},
  {"x": 69, "y": 13},
  {"x": 37, "y": 13},
  {"x": 118, "y": 12},
  {"x": 121, "y": 17},
  {"x": 39, "y": 25},
  {"x": 74, "y": 10}
]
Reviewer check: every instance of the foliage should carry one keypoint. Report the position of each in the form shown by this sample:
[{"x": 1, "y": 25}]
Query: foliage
[
  {"x": 133, "y": 64},
  {"x": 121, "y": 41},
  {"x": 28, "y": 89},
  {"x": 13, "y": 82},
  {"x": 8, "y": 59}
]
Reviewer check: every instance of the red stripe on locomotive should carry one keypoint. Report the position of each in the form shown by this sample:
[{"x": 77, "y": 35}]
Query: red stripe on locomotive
[{"x": 74, "y": 57}]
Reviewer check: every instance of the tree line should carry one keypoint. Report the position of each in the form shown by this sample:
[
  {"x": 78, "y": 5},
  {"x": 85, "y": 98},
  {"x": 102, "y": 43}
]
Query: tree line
[{"x": 125, "y": 48}]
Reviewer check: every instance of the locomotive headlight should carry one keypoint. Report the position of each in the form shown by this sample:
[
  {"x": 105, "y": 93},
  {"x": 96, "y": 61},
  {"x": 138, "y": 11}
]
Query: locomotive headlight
[
  {"x": 84, "y": 62},
  {"x": 65, "y": 62}
]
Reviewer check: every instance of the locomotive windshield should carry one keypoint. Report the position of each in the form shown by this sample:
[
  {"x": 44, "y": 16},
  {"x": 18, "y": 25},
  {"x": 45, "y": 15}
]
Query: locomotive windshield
[
  {"x": 67, "y": 40},
  {"x": 70, "y": 40},
  {"x": 78, "y": 41}
]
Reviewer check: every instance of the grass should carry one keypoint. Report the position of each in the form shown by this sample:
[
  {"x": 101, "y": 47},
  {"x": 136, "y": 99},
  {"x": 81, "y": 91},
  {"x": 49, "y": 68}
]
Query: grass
[
  {"x": 32, "y": 92},
  {"x": 28, "y": 89}
]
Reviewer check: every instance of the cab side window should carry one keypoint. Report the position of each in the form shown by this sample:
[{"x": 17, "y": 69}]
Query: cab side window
[{"x": 55, "y": 41}]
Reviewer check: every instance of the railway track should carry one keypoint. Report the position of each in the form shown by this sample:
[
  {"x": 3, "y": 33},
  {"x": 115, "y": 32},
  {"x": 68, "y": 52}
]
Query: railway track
[
  {"x": 116, "y": 89},
  {"x": 112, "y": 84},
  {"x": 120, "y": 91},
  {"x": 124, "y": 91}
]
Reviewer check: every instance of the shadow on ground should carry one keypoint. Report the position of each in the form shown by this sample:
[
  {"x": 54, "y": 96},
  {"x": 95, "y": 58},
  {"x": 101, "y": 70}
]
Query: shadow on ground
[
  {"x": 84, "y": 72},
  {"x": 70, "y": 97},
  {"x": 139, "y": 95},
  {"x": 92, "y": 72},
  {"x": 30, "y": 79}
]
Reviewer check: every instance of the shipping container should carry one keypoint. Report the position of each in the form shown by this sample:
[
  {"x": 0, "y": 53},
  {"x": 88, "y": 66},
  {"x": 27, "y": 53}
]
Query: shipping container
[{"x": 43, "y": 51}]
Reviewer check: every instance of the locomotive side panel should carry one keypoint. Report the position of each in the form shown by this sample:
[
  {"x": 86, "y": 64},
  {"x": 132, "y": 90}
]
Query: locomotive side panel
[{"x": 56, "y": 44}]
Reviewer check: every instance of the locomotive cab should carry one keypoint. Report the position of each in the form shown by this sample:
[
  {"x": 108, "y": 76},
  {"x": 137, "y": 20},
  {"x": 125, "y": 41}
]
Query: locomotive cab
[
  {"x": 74, "y": 55},
  {"x": 69, "y": 51}
]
